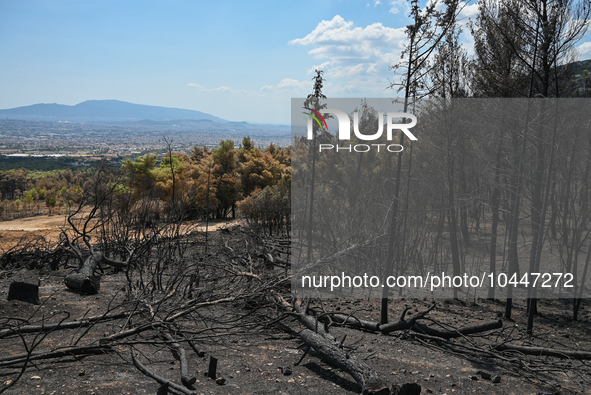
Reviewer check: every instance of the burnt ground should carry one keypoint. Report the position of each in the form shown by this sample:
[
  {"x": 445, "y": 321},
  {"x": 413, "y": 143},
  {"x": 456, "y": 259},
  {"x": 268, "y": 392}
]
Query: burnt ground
[{"x": 257, "y": 353}]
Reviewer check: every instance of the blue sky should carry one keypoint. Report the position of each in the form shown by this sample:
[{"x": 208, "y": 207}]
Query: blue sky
[{"x": 238, "y": 60}]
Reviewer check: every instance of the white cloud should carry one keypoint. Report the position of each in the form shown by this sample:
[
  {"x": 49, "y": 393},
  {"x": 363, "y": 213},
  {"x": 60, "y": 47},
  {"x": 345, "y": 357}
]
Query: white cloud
[
  {"x": 402, "y": 6},
  {"x": 468, "y": 11},
  {"x": 373, "y": 68},
  {"x": 339, "y": 32},
  {"x": 288, "y": 84},
  {"x": 350, "y": 50},
  {"x": 584, "y": 50},
  {"x": 218, "y": 89},
  {"x": 348, "y": 71},
  {"x": 377, "y": 2},
  {"x": 223, "y": 89}
]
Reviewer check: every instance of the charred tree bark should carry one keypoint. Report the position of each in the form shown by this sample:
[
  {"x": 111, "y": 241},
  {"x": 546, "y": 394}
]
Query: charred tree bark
[
  {"x": 541, "y": 351},
  {"x": 186, "y": 378},
  {"x": 85, "y": 280},
  {"x": 329, "y": 350},
  {"x": 495, "y": 202},
  {"x": 327, "y": 347},
  {"x": 142, "y": 368}
]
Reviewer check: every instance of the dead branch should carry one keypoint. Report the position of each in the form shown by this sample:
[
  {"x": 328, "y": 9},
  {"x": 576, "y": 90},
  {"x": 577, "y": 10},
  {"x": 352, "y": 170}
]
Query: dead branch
[
  {"x": 545, "y": 352},
  {"x": 159, "y": 324},
  {"x": 309, "y": 321},
  {"x": 82, "y": 322},
  {"x": 374, "y": 326},
  {"x": 354, "y": 322},
  {"x": 402, "y": 324},
  {"x": 468, "y": 330},
  {"x": 142, "y": 368},
  {"x": 58, "y": 353},
  {"x": 130, "y": 332},
  {"x": 186, "y": 378},
  {"x": 195, "y": 307}
]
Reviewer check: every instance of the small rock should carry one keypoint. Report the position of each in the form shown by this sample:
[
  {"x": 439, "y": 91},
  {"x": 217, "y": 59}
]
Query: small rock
[
  {"x": 81, "y": 373},
  {"x": 220, "y": 381},
  {"x": 485, "y": 375},
  {"x": 35, "y": 378},
  {"x": 286, "y": 370},
  {"x": 474, "y": 377},
  {"x": 496, "y": 379}
]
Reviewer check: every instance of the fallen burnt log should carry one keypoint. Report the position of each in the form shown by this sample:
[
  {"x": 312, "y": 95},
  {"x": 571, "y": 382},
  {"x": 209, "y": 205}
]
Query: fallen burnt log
[
  {"x": 329, "y": 349},
  {"x": 374, "y": 326},
  {"x": 412, "y": 324},
  {"x": 186, "y": 378},
  {"x": 545, "y": 352},
  {"x": 467, "y": 330},
  {"x": 403, "y": 324},
  {"x": 354, "y": 322},
  {"x": 84, "y": 279}
]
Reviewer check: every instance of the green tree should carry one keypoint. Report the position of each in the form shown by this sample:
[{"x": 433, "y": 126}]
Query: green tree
[
  {"x": 225, "y": 178},
  {"x": 141, "y": 177}
]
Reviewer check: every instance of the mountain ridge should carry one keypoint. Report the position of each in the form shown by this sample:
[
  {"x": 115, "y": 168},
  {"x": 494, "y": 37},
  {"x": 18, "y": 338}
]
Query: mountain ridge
[{"x": 104, "y": 111}]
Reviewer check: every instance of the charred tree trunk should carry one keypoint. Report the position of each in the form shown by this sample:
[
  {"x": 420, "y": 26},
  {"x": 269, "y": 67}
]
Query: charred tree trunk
[
  {"x": 85, "y": 280},
  {"x": 329, "y": 350},
  {"x": 495, "y": 200}
]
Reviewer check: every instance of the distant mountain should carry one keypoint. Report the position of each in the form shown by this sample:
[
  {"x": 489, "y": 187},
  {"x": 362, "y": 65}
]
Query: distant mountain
[
  {"x": 104, "y": 111},
  {"x": 582, "y": 77}
]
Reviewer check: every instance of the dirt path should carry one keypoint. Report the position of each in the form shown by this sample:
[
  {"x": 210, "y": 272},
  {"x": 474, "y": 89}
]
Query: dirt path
[
  {"x": 48, "y": 226},
  {"x": 32, "y": 224}
]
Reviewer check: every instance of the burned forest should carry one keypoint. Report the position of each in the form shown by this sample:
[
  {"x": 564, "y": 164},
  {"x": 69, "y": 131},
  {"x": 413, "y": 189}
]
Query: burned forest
[
  {"x": 194, "y": 307},
  {"x": 445, "y": 253}
]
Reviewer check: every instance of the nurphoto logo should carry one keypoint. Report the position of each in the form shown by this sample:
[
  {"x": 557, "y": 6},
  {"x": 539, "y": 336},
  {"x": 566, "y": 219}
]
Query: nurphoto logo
[{"x": 344, "y": 131}]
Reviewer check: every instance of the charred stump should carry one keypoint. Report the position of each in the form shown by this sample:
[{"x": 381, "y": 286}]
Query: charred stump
[{"x": 24, "y": 292}]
